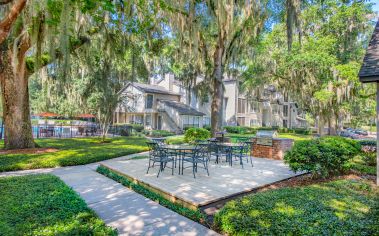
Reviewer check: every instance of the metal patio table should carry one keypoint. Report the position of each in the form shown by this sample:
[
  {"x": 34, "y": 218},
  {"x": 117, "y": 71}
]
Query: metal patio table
[{"x": 180, "y": 151}]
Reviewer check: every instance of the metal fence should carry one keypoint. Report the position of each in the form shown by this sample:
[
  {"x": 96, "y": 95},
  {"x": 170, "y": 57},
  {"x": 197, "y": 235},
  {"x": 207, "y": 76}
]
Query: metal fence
[{"x": 72, "y": 131}]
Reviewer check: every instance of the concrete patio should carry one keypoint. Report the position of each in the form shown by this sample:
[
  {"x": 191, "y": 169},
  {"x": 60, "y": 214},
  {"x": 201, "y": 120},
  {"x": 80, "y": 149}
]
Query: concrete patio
[{"x": 224, "y": 181}]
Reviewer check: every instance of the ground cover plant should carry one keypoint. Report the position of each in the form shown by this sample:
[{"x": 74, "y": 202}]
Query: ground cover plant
[
  {"x": 44, "y": 205},
  {"x": 195, "y": 215},
  {"x": 342, "y": 207},
  {"x": 75, "y": 151}
]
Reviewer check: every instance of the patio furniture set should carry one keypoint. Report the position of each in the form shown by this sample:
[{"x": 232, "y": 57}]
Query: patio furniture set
[{"x": 198, "y": 155}]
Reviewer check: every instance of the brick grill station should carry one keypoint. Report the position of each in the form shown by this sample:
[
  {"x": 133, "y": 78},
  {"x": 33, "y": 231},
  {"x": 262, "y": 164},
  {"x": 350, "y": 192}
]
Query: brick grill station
[{"x": 276, "y": 151}]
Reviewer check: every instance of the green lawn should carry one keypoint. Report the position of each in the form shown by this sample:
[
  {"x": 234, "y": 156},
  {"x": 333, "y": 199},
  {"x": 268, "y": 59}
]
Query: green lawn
[
  {"x": 76, "y": 151},
  {"x": 44, "y": 205},
  {"x": 343, "y": 207},
  {"x": 177, "y": 139}
]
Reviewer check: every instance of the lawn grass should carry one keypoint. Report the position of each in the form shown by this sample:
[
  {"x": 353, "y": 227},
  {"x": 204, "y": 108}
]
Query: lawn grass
[
  {"x": 44, "y": 205},
  {"x": 342, "y": 207},
  {"x": 177, "y": 139},
  {"x": 75, "y": 151}
]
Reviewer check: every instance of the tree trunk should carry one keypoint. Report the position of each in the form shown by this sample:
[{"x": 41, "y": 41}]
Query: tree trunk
[
  {"x": 332, "y": 125},
  {"x": 217, "y": 100},
  {"x": 15, "y": 97},
  {"x": 321, "y": 125}
]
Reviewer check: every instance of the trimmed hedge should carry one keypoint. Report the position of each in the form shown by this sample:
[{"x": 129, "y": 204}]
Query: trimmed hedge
[
  {"x": 193, "y": 134},
  {"x": 195, "y": 215},
  {"x": 136, "y": 127},
  {"x": 343, "y": 207},
  {"x": 303, "y": 131},
  {"x": 158, "y": 133},
  {"x": 323, "y": 156},
  {"x": 367, "y": 142},
  {"x": 240, "y": 129}
]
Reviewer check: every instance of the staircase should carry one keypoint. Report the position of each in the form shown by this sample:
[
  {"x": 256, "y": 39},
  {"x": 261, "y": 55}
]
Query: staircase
[{"x": 174, "y": 127}]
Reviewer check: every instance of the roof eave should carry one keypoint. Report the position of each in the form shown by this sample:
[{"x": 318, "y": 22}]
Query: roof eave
[{"x": 369, "y": 79}]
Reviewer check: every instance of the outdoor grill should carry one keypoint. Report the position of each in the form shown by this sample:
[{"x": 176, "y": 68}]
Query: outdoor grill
[
  {"x": 265, "y": 137},
  {"x": 266, "y": 144}
]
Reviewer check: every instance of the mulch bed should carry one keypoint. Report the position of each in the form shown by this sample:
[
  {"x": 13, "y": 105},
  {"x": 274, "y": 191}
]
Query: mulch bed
[{"x": 29, "y": 151}]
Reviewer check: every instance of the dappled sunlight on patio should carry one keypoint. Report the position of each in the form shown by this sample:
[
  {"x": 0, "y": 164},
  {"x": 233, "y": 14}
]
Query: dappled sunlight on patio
[{"x": 224, "y": 180}]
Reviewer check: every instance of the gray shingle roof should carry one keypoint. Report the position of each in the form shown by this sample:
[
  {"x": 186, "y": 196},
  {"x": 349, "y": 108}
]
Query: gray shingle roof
[
  {"x": 370, "y": 69},
  {"x": 182, "y": 108},
  {"x": 147, "y": 88}
]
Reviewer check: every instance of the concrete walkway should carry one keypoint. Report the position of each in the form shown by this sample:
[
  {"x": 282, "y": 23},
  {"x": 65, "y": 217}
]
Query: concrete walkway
[{"x": 120, "y": 207}]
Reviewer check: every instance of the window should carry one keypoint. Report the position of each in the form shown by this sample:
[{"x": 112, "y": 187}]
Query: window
[
  {"x": 275, "y": 109},
  {"x": 241, "y": 106},
  {"x": 285, "y": 97},
  {"x": 148, "y": 120},
  {"x": 149, "y": 101},
  {"x": 285, "y": 124},
  {"x": 241, "y": 121},
  {"x": 254, "y": 122},
  {"x": 191, "y": 121},
  {"x": 206, "y": 120},
  {"x": 254, "y": 107},
  {"x": 285, "y": 110}
]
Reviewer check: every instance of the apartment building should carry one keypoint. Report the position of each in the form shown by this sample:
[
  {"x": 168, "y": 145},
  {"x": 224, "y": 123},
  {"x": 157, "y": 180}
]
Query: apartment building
[{"x": 164, "y": 104}]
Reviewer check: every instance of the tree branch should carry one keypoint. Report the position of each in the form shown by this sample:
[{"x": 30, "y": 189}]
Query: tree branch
[
  {"x": 46, "y": 59},
  {"x": 5, "y": 2},
  {"x": 7, "y": 22}
]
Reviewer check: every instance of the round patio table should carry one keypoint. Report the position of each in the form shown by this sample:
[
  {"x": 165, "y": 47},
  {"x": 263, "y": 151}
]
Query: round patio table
[{"x": 180, "y": 151}]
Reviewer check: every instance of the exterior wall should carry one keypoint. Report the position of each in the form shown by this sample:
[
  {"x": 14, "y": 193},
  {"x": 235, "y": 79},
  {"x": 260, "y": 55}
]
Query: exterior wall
[
  {"x": 230, "y": 102},
  {"x": 265, "y": 113}
]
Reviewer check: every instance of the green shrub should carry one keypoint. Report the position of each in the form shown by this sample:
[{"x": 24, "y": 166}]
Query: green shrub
[
  {"x": 322, "y": 157},
  {"x": 370, "y": 158},
  {"x": 136, "y": 127},
  {"x": 343, "y": 207},
  {"x": 193, "y": 134},
  {"x": 240, "y": 129},
  {"x": 207, "y": 127},
  {"x": 304, "y": 131},
  {"x": 367, "y": 142}
]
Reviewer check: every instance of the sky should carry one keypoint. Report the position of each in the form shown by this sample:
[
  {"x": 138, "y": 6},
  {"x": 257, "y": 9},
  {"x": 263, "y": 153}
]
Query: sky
[{"x": 376, "y": 6}]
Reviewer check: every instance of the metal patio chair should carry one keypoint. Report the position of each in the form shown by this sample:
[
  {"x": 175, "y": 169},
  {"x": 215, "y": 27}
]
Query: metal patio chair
[
  {"x": 158, "y": 154},
  {"x": 199, "y": 156}
]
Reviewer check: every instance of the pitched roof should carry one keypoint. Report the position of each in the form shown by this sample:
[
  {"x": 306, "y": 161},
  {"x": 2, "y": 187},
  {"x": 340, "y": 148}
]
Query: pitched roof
[
  {"x": 370, "y": 69},
  {"x": 182, "y": 108},
  {"x": 147, "y": 88}
]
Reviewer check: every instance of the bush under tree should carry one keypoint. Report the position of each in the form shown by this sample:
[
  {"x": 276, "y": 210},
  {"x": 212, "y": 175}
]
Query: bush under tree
[
  {"x": 193, "y": 134},
  {"x": 322, "y": 157}
]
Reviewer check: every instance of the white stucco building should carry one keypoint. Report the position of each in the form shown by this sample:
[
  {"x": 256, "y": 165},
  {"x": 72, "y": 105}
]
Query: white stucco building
[{"x": 163, "y": 104}]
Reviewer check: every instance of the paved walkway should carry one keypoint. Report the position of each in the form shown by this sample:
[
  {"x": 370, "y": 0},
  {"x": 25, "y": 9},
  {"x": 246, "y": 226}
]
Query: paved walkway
[{"x": 120, "y": 207}]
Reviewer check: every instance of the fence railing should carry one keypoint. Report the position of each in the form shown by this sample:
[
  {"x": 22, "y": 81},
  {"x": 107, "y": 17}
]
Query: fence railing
[{"x": 72, "y": 131}]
